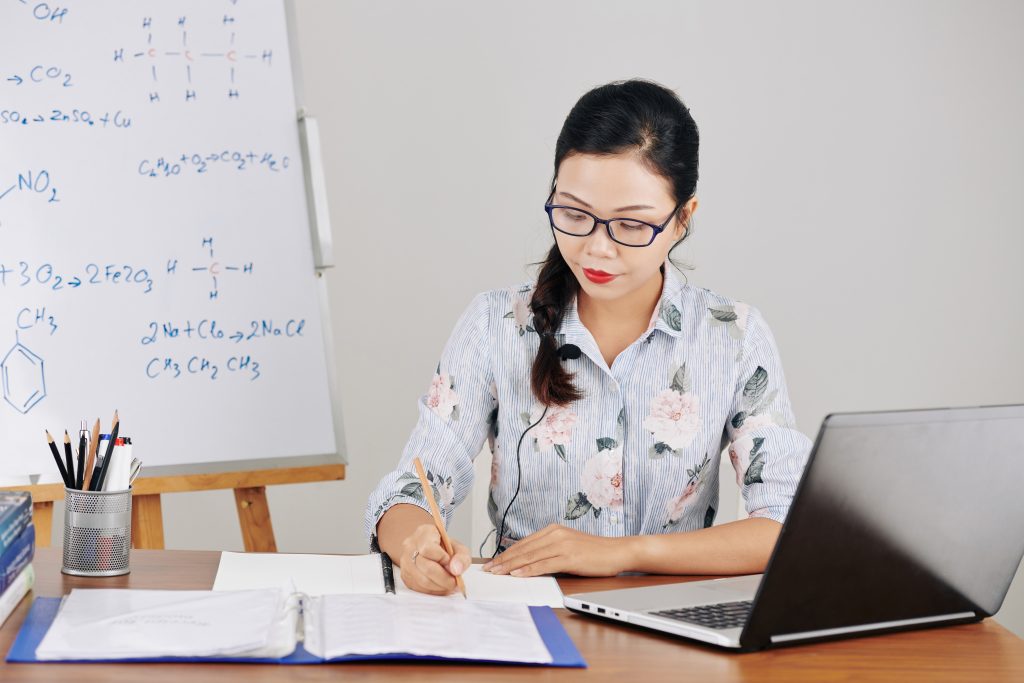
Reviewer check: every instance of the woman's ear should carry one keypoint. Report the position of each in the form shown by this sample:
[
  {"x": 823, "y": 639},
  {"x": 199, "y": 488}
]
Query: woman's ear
[{"x": 684, "y": 217}]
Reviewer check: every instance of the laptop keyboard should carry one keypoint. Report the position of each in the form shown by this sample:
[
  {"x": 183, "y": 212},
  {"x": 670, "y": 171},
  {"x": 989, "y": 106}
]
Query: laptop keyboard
[{"x": 719, "y": 616}]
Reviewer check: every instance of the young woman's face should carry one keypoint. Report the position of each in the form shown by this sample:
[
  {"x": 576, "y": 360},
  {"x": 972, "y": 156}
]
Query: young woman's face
[{"x": 615, "y": 186}]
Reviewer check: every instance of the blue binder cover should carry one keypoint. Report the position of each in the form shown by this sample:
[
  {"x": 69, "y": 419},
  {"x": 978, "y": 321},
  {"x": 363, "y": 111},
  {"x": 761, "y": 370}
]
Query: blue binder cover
[{"x": 44, "y": 611}]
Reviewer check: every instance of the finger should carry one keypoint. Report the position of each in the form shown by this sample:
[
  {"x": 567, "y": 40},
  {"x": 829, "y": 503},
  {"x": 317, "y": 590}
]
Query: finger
[
  {"x": 550, "y": 565},
  {"x": 434, "y": 552},
  {"x": 462, "y": 559},
  {"x": 418, "y": 581},
  {"x": 436, "y": 575},
  {"x": 523, "y": 545},
  {"x": 538, "y": 552},
  {"x": 531, "y": 543},
  {"x": 424, "y": 574}
]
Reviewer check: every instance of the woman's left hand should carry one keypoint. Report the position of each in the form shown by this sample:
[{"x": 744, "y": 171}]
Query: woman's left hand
[{"x": 559, "y": 549}]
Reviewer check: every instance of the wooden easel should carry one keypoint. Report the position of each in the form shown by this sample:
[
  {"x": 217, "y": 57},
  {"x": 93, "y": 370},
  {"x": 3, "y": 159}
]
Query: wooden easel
[{"x": 147, "y": 518}]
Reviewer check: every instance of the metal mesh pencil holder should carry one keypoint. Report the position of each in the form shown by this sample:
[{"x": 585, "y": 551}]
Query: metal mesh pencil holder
[{"x": 97, "y": 532}]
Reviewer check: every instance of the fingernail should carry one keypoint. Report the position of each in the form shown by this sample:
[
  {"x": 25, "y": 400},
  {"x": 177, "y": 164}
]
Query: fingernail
[
  {"x": 496, "y": 569},
  {"x": 516, "y": 572},
  {"x": 456, "y": 567},
  {"x": 486, "y": 567}
]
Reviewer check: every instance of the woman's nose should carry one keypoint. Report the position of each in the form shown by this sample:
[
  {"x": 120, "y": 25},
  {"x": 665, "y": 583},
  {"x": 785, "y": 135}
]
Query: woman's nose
[{"x": 599, "y": 242}]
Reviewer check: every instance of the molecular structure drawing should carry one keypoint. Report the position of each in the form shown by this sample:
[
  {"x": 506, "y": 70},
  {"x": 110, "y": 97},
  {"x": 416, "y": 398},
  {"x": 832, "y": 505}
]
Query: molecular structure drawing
[
  {"x": 214, "y": 268},
  {"x": 23, "y": 377},
  {"x": 184, "y": 56}
]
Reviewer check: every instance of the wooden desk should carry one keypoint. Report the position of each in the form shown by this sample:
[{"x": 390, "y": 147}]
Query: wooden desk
[{"x": 975, "y": 652}]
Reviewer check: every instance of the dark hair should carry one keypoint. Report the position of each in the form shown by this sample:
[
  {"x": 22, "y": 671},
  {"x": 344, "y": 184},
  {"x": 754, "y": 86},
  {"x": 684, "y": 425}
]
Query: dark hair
[{"x": 628, "y": 116}]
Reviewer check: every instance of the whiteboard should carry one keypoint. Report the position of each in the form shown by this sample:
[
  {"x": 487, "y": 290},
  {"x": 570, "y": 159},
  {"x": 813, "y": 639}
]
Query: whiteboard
[{"x": 155, "y": 247}]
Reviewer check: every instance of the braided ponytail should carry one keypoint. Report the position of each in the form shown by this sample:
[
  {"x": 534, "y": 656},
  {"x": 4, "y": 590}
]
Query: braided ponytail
[{"x": 556, "y": 287}]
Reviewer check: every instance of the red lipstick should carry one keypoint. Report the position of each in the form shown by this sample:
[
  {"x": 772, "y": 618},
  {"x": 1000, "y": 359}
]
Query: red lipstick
[{"x": 598, "y": 276}]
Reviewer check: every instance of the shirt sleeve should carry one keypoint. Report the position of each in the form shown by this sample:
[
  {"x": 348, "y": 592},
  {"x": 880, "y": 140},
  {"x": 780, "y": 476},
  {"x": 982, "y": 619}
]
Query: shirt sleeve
[
  {"x": 452, "y": 423},
  {"x": 766, "y": 450}
]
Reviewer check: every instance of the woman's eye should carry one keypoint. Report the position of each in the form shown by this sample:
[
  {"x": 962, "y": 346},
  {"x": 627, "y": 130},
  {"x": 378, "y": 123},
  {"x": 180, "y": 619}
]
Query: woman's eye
[
  {"x": 632, "y": 225},
  {"x": 575, "y": 215}
]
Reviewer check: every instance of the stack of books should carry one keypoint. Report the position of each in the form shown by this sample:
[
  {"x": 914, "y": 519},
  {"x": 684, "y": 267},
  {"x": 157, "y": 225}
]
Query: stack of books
[{"x": 17, "y": 548}]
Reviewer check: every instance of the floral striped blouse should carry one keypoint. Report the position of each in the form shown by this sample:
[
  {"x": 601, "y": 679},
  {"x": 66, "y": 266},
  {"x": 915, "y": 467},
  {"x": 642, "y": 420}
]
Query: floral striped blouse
[{"x": 639, "y": 453}]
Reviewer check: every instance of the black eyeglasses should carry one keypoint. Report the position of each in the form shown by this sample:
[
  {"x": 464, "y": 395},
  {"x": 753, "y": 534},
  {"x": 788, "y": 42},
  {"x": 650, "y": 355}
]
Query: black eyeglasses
[{"x": 625, "y": 231}]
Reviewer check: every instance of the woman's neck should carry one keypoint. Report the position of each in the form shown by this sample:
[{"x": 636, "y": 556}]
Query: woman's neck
[{"x": 631, "y": 312}]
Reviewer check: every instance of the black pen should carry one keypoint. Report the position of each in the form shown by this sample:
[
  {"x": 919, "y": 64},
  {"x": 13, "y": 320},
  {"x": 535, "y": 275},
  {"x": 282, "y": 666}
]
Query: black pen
[
  {"x": 83, "y": 435},
  {"x": 100, "y": 474},
  {"x": 387, "y": 568}
]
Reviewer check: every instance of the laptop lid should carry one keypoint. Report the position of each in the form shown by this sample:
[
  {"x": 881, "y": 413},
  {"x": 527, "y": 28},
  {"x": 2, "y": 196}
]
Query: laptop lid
[{"x": 900, "y": 518}]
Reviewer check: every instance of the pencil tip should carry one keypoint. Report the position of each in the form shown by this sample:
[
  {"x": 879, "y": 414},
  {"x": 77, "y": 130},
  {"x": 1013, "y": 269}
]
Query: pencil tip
[{"x": 48, "y": 434}]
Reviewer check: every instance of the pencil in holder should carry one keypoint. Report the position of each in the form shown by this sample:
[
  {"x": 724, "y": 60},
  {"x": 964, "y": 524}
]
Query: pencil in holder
[{"x": 97, "y": 532}]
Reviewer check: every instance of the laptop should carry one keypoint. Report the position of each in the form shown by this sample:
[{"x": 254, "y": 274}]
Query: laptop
[{"x": 902, "y": 520}]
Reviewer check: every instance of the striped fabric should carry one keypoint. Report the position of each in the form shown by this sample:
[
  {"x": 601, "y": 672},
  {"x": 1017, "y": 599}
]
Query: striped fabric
[{"x": 639, "y": 453}]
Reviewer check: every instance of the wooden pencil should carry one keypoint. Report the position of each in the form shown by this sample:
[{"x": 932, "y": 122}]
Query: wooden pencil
[
  {"x": 70, "y": 459},
  {"x": 428, "y": 493},
  {"x": 56, "y": 457}
]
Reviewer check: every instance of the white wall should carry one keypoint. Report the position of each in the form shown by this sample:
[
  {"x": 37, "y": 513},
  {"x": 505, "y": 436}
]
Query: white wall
[{"x": 860, "y": 169}]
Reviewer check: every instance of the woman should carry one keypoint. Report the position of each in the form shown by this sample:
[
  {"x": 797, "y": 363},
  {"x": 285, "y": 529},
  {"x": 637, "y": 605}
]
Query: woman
[{"x": 608, "y": 388}]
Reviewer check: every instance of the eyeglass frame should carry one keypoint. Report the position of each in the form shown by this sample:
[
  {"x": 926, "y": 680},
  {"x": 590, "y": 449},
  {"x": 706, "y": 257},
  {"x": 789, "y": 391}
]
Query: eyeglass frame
[{"x": 658, "y": 229}]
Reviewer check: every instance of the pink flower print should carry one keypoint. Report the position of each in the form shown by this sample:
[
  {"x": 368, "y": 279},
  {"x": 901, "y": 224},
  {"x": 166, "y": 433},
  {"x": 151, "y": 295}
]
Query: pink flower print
[
  {"x": 602, "y": 479},
  {"x": 743, "y": 443},
  {"x": 676, "y": 506},
  {"x": 674, "y": 419},
  {"x": 520, "y": 313},
  {"x": 555, "y": 429},
  {"x": 442, "y": 398}
]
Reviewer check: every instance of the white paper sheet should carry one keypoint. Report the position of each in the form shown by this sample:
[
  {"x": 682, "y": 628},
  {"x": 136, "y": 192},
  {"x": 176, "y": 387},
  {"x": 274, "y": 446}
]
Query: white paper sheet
[
  {"x": 361, "y": 574},
  {"x": 126, "y": 624},
  {"x": 425, "y": 625},
  {"x": 312, "y": 574},
  {"x": 534, "y": 591}
]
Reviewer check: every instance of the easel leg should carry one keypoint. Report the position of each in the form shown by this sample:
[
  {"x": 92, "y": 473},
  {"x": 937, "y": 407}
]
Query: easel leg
[
  {"x": 254, "y": 517},
  {"x": 42, "y": 517},
  {"x": 147, "y": 522}
]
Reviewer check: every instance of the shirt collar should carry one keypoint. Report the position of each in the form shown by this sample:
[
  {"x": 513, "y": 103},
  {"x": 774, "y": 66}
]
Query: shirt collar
[{"x": 666, "y": 316}]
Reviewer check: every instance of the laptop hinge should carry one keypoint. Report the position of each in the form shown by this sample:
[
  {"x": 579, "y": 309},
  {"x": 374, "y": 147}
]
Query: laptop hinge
[{"x": 826, "y": 632}]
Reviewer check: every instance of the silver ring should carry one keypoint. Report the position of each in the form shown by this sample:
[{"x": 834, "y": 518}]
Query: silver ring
[{"x": 415, "y": 555}]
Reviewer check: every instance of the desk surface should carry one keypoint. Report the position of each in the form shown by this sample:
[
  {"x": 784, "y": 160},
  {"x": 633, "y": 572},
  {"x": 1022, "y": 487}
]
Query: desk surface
[{"x": 982, "y": 652}]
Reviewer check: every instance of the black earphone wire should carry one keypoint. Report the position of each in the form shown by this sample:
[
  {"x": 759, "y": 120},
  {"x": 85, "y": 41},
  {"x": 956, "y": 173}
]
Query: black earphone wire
[{"x": 519, "y": 481}]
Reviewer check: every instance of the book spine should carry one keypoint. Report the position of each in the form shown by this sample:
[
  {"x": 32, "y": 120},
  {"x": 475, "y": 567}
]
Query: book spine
[
  {"x": 14, "y": 522},
  {"x": 12, "y": 597},
  {"x": 17, "y": 556}
]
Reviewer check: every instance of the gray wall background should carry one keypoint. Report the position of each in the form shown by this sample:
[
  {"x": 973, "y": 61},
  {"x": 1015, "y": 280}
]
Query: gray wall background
[{"x": 861, "y": 168}]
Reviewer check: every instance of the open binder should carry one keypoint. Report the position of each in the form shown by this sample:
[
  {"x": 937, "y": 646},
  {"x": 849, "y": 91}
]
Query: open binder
[{"x": 44, "y": 611}]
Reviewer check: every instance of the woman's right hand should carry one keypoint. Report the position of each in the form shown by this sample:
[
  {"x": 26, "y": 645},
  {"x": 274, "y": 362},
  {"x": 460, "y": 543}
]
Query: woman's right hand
[{"x": 425, "y": 565}]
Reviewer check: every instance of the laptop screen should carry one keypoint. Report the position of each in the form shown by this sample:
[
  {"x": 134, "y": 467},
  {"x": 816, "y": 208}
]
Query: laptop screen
[{"x": 899, "y": 515}]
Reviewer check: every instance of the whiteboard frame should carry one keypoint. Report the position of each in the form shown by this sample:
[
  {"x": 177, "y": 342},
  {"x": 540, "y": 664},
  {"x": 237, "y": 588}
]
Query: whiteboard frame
[{"x": 318, "y": 222}]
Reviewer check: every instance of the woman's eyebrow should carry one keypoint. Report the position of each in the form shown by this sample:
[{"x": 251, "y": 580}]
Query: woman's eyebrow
[{"x": 633, "y": 207}]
